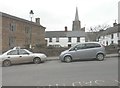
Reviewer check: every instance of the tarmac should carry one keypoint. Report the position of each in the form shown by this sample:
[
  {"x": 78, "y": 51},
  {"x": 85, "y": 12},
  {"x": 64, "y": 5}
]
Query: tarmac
[{"x": 57, "y": 57}]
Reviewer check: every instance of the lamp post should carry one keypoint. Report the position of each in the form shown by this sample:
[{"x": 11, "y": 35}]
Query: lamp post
[{"x": 31, "y": 16}]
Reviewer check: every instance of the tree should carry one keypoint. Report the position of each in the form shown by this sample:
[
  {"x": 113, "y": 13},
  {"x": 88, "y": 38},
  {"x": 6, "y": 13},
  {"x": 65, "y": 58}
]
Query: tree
[
  {"x": 99, "y": 28},
  {"x": 95, "y": 31}
]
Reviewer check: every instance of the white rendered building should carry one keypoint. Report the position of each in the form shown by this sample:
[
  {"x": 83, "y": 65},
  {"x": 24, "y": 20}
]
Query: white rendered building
[
  {"x": 110, "y": 35},
  {"x": 67, "y": 38}
]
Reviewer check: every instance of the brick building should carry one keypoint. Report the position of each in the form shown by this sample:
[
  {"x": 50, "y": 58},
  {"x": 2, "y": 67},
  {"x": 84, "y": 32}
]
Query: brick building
[{"x": 15, "y": 31}]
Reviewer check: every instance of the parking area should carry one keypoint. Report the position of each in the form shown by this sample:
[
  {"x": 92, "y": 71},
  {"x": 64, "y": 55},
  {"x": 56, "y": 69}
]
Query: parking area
[{"x": 55, "y": 73}]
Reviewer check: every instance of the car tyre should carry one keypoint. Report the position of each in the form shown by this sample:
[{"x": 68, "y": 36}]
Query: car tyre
[
  {"x": 37, "y": 60},
  {"x": 6, "y": 63},
  {"x": 100, "y": 57},
  {"x": 68, "y": 59}
]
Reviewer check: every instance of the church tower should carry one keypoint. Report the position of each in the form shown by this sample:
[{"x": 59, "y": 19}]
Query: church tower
[{"x": 76, "y": 23}]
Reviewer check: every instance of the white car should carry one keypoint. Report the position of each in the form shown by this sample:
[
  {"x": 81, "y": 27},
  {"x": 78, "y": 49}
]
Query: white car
[{"x": 17, "y": 55}]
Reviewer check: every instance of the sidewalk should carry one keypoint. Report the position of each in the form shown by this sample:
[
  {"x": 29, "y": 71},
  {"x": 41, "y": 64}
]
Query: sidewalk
[
  {"x": 111, "y": 55},
  {"x": 57, "y": 58}
]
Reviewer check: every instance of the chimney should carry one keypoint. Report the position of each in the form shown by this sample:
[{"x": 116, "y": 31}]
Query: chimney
[
  {"x": 37, "y": 20},
  {"x": 66, "y": 29},
  {"x": 114, "y": 24}
]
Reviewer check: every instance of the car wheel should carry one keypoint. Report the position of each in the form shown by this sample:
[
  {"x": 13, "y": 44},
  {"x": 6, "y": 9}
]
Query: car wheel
[
  {"x": 100, "y": 57},
  {"x": 6, "y": 63},
  {"x": 67, "y": 59},
  {"x": 37, "y": 60}
]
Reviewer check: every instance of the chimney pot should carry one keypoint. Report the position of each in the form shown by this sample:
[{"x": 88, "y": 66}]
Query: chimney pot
[
  {"x": 66, "y": 29},
  {"x": 114, "y": 24},
  {"x": 38, "y": 20}
]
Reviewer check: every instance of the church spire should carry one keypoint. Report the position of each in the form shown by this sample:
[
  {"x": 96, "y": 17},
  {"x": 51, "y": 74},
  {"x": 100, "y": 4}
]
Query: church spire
[
  {"x": 76, "y": 23},
  {"x": 76, "y": 15}
]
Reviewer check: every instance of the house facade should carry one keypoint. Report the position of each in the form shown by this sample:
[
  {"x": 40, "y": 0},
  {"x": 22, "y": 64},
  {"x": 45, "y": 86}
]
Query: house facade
[
  {"x": 110, "y": 35},
  {"x": 67, "y": 38},
  {"x": 20, "y": 32}
]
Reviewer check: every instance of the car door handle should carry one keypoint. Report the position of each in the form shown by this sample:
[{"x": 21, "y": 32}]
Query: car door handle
[{"x": 20, "y": 56}]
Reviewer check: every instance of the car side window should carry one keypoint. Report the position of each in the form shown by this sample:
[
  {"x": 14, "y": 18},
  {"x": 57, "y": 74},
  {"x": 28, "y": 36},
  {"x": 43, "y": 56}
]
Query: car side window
[
  {"x": 97, "y": 45},
  {"x": 92, "y": 45},
  {"x": 22, "y": 52},
  {"x": 13, "y": 52},
  {"x": 80, "y": 46}
]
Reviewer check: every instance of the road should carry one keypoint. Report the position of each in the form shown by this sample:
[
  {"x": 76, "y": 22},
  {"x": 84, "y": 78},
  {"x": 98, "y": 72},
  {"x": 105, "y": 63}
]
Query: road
[{"x": 56, "y": 73}]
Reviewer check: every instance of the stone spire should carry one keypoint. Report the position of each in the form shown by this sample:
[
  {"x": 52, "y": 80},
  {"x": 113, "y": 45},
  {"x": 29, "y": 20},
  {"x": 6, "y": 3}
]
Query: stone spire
[
  {"x": 76, "y": 23},
  {"x": 76, "y": 15}
]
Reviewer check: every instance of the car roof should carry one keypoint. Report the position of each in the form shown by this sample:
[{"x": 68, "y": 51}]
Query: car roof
[{"x": 88, "y": 42}]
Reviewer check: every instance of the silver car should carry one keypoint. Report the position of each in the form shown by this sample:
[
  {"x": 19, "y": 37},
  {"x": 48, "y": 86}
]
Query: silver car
[
  {"x": 84, "y": 51},
  {"x": 18, "y": 55}
]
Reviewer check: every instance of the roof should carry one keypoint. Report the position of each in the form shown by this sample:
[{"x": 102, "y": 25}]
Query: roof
[
  {"x": 55, "y": 34},
  {"x": 20, "y": 19},
  {"x": 51, "y": 34},
  {"x": 108, "y": 31}
]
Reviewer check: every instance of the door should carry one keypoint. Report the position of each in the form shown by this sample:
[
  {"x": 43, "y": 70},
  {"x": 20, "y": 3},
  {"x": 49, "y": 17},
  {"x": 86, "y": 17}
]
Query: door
[
  {"x": 78, "y": 52},
  {"x": 25, "y": 56},
  {"x": 13, "y": 56}
]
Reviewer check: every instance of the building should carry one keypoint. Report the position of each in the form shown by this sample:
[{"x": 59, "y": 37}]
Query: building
[
  {"x": 110, "y": 35},
  {"x": 67, "y": 38},
  {"x": 20, "y": 32},
  {"x": 119, "y": 23}
]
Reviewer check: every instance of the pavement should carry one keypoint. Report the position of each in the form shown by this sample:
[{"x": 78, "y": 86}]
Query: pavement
[{"x": 57, "y": 57}]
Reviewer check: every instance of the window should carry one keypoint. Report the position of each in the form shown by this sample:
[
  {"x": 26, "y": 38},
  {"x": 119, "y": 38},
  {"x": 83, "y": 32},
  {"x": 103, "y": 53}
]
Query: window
[
  {"x": 69, "y": 39},
  {"x": 21, "y": 52},
  {"x": 78, "y": 39},
  {"x": 107, "y": 43},
  {"x": 69, "y": 45},
  {"x": 57, "y": 39},
  {"x": 112, "y": 42},
  {"x": 92, "y": 45},
  {"x": 13, "y": 52},
  {"x": 50, "y": 39},
  {"x": 112, "y": 36},
  {"x": 11, "y": 42},
  {"x": 118, "y": 34},
  {"x": 27, "y": 30},
  {"x": 80, "y": 46},
  {"x": 12, "y": 26}
]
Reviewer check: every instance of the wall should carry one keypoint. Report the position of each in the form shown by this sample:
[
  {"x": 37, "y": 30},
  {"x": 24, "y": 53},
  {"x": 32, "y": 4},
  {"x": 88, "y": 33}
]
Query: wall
[
  {"x": 104, "y": 39},
  {"x": 19, "y": 34},
  {"x": 119, "y": 20},
  {"x": 0, "y": 33},
  {"x": 49, "y": 51},
  {"x": 63, "y": 41}
]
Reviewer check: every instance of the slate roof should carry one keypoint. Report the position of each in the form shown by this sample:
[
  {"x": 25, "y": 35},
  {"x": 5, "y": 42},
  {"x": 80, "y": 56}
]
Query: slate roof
[
  {"x": 108, "y": 31},
  {"x": 20, "y": 19},
  {"x": 55, "y": 34}
]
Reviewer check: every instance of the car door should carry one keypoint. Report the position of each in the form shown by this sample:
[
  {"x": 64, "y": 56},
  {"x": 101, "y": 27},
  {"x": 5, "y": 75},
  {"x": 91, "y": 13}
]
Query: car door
[
  {"x": 13, "y": 56},
  {"x": 81, "y": 51},
  {"x": 90, "y": 51},
  {"x": 78, "y": 52},
  {"x": 25, "y": 56}
]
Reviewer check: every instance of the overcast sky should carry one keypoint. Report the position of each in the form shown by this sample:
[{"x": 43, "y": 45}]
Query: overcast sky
[{"x": 56, "y": 14}]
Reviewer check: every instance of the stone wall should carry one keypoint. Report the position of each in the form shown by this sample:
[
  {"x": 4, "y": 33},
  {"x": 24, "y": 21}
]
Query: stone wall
[
  {"x": 49, "y": 51},
  {"x": 20, "y": 32},
  {"x": 56, "y": 51}
]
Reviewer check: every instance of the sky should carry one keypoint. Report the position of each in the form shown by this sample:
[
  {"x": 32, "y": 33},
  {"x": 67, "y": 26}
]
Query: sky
[{"x": 56, "y": 14}]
